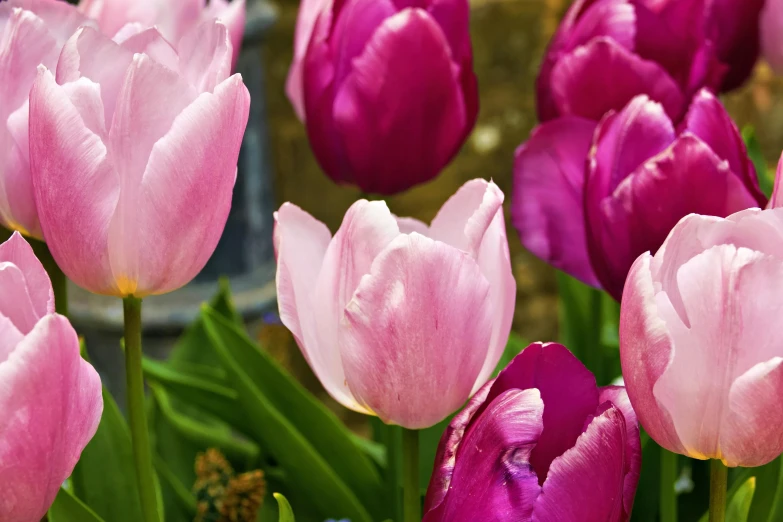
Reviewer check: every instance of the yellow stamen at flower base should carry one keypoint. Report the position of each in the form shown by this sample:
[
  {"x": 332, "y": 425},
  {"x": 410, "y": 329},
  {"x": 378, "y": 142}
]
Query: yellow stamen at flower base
[
  {"x": 13, "y": 225},
  {"x": 126, "y": 285}
]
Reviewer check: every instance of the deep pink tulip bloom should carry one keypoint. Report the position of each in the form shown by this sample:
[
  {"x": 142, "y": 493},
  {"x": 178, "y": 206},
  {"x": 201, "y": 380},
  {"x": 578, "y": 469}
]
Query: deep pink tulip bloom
[
  {"x": 31, "y": 32},
  {"x": 173, "y": 18},
  {"x": 386, "y": 88},
  {"x": 50, "y": 398},
  {"x": 134, "y": 155},
  {"x": 703, "y": 366},
  {"x": 772, "y": 34},
  {"x": 590, "y": 201},
  {"x": 539, "y": 444},
  {"x": 398, "y": 319},
  {"x": 666, "y": 49}
]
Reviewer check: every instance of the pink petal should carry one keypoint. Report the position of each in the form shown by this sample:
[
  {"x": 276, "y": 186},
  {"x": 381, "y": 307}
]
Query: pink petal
[
  {"x": 112, "y": 15},
  {"x": 305, "y": 24},
  {"x": 52, "y": 403},
  {"x": 205, "y": 56},
  {"x": 233, "y": 15},
  {"x": 18, "y": 252},
  {"x": 10, "y": 336},
  {"x": 17, "y": 203},
  {"x": 777, "y": 193},
  {"x": 60, "y": 18},
  {"x": 416, "y": 332},
  {"x": 15, "y": 301},
  {"x": 645, "y": 351},
  {"x": 408, "y": 225},
  {"x": 76, "y": 188},
  {"x": 547, "y": 204},
  {"x": 586, "y": 482},
  {"x": 567, "y": 388},
  {"x": 185, "y": 194},
  {"x": 150, "y": 42},
  {"x": 493, "y": 479},
  {"x": 414, "y": 106},
  {"x": 618, "y": 397},
  {"x": 366, "y": 230},
  {"x": 771, "y": 24},
  {"x": 580, "y": 88},
  {"x": 750, "y": 435},
  {"x": 302, "y": 242}
]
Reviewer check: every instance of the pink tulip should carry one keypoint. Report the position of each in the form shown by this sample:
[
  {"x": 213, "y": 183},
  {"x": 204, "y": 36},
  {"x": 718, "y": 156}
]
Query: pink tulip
[
  {"x": 31, "y": 32},
  {"x": 134, "y": 151},
  {"x": 396, "y": 318},
  {"x": 701, "y": 357},
  {"x": 50, "y": 398},
  {"x": 772, "y": 33},
  {"x": 173, "y": 18}
]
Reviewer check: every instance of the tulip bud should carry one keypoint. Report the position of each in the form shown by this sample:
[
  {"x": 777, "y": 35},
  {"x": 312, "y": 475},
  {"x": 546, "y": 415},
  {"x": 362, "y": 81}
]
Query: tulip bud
[
  {"x": 173, "y": 18},
  {"x": 50, "y": 397},
  {"x": 31, "y": 32},
  {"x": 541, "y": 442},
  {"x": 134, "y": 154},
  {"x": 387, "y": 92},
  {"x": 700, "y": 361},
  {"x": 396, "y": 318},
  {"x": 643, "y": 174}
]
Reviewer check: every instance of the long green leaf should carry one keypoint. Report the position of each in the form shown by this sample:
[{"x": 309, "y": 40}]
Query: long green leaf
[
  {"x": 739, "y": 505},
  {"x": 67, "y": 508},
  {"x": 266, "y": 392},
  {"x": 286, "y": 513},
  {"x": 766, "y": 181}
]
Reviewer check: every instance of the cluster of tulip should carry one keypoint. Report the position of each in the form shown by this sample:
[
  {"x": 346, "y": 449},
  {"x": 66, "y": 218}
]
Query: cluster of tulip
[{"x": 120, "y": 127}]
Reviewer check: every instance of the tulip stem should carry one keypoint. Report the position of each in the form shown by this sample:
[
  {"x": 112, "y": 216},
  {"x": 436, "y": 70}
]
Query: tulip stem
[
  {"x": 719, "y": 475},
  {"x": 410, "y": 473},
  {"x": 142, "y": 453},
  {"x": 668, "y": 478}
]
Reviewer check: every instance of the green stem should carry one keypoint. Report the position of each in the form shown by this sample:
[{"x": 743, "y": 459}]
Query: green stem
[
  {"x": 668, "y": 478},
  {"x": 59, "y": 281},
  {"x": 142, "y": 453},
  {"x": 719, "y": 475},
  {"x": 594, "y": 350},
  {"x": 410, "y": 475}
]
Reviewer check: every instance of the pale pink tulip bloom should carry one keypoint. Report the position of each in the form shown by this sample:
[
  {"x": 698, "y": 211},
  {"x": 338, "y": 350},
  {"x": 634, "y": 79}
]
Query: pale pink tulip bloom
[
  {"x": 397, "y": 318},
  {"x": 50, "y": 398},
  {"x": 701, "y": 354},
  {"x": 173, "y": 18},
  {"x": 32, "y": 32},
  {"x": 134, "y": 154}
]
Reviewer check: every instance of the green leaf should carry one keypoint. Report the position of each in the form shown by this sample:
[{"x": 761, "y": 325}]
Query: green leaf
[
  {"x": 67, "y": 508},
  {"x": 766, "y": 181},
  {"x": 581, "y": 323},
  {"x": 321, "y": 464},
  {"x": 739, "y": 505},
  {"x": 286, "y": 513},
  {"x": 646, "y": 503},
  {"x": 105, "y": 477}
]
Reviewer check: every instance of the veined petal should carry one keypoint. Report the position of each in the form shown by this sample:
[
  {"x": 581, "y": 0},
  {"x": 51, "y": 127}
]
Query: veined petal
[{"x": 205, "y": 55}]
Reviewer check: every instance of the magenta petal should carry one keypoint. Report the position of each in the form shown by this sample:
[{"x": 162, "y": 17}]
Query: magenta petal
[
  {"x": 581, "y": 85},
  {"x": 547, "y": 203},
  {"x": 585, "y": 483},
  {"x": 615, "y": 19},
  {"x": 305, "y": 24},
  {"x": 412, "y": 338},
  {"x": 567, "y": 388},
  {"x": 18, "y": 252},
  {"x": 777, "y": 193},
  {"x": 493, "y": 478},
  {"x": 735, "y": 29},
  {"x": 51, "y": 403},
  {"x": 618, "y": 397},
  {"x": 406, "y": 69}
]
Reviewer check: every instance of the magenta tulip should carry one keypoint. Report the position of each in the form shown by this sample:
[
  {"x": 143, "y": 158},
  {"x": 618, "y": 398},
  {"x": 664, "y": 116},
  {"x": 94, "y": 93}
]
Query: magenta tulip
[
  {"x": 31, "y": 32},
  {"x": 665, "y": 49},
  {"x": 398, "y": 319},
  {"x": 173, "y": 18},
  {"x": 539, "y": 444},
  {"x": 699, "y": 351},
  {"x": 386, "y": 88},
  {"x": 643, "y": 173},
  {"x": 50, "y": 398},
  {"x": 134, "y": 155}
]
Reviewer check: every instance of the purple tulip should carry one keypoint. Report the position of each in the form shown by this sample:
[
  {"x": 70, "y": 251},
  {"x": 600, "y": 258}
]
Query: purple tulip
[
  {"x": 643, "y": 173},
  {"x": 386, "y": 88},
  {"x": 541, "y": 443},
  {"x": 605, "y": 52}
]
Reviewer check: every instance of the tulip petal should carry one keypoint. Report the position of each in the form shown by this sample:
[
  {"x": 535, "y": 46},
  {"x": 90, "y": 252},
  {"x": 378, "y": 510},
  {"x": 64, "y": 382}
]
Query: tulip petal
[
  {"x": 384, "y": 88},
  {"x": 17, "y": 203},
  {"x": 76, "y": 188},
  {"x": 547, "y": 203},
  {"x": 233, "y": 15},
  {"x": 618, "y": 397},
  {"x": 736, "y": 29},
  {"x": 205, "y": 56},
  {"x": 408, "y": 225},
  {"x": 493, "y": 477},
  {"x": 305, "y": 25},
  {"x": 52, "y": 403},
  {"x": 771, "y": 35},
  {"x": 615, "y": 19},
  {"x": 185, "y": 194},
  {"x": 580, "y": 86},
  {"x": 465, "y": 218},
  {"x": 10, "y": 335},
  {"x": 15, "y": 301},
  {"x": 18, "y": 252},
  {"x": 567, "y": 388},
  {"x": 585, "y": 483},
  {"x": 150, "y": 42},
  {"x": 777, "y": 192},
  {"x": 420, "y": 320},
  {"x": 750, "y": 434},
  {"x": 645, "y": 350},
  {"x": 708, "y": 119}
]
